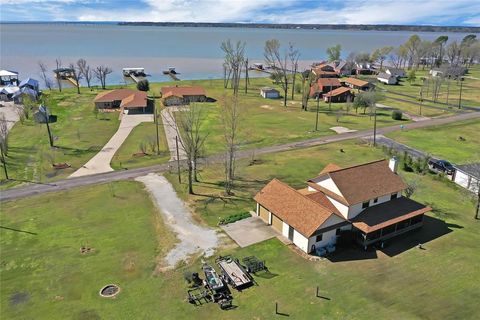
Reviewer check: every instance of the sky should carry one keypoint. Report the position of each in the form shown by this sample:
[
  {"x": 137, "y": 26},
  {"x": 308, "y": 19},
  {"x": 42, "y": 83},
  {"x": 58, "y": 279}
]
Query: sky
[{"x": 416, "y": 12}]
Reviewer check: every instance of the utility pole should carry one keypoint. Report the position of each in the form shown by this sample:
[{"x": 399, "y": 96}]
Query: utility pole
[
  {"x": 374, "y": 124},
  {"x": 156, "y": 124},
  {"x": 178, "y": 161},
  {"x": 44, "y": 110},
  {"x": 330, "y": 100},
  {"x": 318, "y": 109},
  {"x": 460, "y": 98},
  {"x": 4, "y": 163}
]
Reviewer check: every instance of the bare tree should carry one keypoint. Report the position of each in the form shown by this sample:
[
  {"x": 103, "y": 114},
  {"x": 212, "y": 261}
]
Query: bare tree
[
  {"x": 307, "y": 79},
  {"x": 231, "y": 116},
  {"x": 412, "y": 46},
  {"x": 85, "y": 71},
  {"x": 58, "y": 64},
  {"x": 234, "y": 60},
  {"x": 76, "y": 75},
  {"x": 293, "y": 55},
  {"x": 278, "y": 64},
  {"x": 3, "y": 134},
  {"x": 101, "y": 73},
  {"x": 43, "y": 75},
  {"x": 453, "y": 51},
  {"x": 189, "y": 122},
  {"x": 380, "y": 55}
]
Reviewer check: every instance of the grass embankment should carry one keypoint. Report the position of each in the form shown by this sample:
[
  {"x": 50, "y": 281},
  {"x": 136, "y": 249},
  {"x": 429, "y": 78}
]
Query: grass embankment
[
  {"x": 43, "y": 273},
  {"x": 457, "y": 142},
  {"x": 79, "y": 133},
  {"x": 60, "y": 282}
]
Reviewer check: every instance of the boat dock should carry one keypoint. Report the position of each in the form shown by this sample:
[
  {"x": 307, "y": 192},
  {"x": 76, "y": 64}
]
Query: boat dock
[
  {"x": 172, "y": 73},
  {"x": 136, "y": 74}
]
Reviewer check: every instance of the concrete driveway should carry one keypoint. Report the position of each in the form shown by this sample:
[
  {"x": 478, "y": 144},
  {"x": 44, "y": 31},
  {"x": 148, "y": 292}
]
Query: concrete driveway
[
  {"x": 170, "y": 127},
  {"x": 101, "y": 161},
  {"x": 249, "y": 231}
]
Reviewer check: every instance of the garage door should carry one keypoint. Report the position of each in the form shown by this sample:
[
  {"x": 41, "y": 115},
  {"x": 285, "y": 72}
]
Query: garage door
[
  {"x": 277, "y": 224},
  {"x": 264, "y": 214}
]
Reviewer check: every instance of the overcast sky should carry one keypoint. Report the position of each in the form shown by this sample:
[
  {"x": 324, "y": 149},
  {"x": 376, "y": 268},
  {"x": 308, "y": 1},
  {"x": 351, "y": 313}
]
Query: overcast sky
[{"x": 418, "y": 12}]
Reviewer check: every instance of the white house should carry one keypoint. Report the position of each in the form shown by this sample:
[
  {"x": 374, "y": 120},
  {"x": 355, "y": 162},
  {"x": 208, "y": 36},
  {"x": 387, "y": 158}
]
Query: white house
[
  {"x": 365, "y": 200},
  {"x": 387, "y": 78},
  {"x": 468, "y": 176},
  {"x": 269, "y": 93},
  {"x": 396, "y": 72}
]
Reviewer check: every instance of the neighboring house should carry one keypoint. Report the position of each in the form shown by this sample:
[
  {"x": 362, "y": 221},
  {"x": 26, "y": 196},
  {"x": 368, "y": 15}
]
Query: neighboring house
[
  {"x": 341, "y": 94},
  {"x": 19, "y": 95},
  {"x": 449, "y": 71},
  {"x": 131, "y": 101},
  {"x": 363, "y": 201},
  {"x": 325, "y": 74},
  {"x": 468, "y": 176},
  {"x": 355, "y": 83},
  {"x": 7, "y": 92},
  {"x": 343, "y": 69},
  {"x": 364, "y": 68},
  {"x": 436, "y": 72},
  {"x": 323, "y": 66},
  {"x": 324, "y": 85},
  {"x": 269, "y": 93},
  {"x": 396, "y": 72},
  {"x": 29, "y": 83},
  {"x": 387, "y": 78},
  {"x": 174, "y": 95},
  {"x": 8, "y": 78}
]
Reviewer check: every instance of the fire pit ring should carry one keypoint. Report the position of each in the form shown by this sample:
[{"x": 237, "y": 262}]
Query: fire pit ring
[{"x": 109, "y": 291}]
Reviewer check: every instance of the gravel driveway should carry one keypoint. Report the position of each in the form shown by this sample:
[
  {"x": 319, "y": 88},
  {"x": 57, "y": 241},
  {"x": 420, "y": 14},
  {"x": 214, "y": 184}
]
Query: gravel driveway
[
  {"x": 9, "y": 111},
  {"x": 193, "y": 238},
  {"x": 101, "y": 161}
]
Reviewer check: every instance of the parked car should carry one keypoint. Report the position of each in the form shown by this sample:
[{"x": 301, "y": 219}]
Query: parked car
[{"x": 442, "y": 166}]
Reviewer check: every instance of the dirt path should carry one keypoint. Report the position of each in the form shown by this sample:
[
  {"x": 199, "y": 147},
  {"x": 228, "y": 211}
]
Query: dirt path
[
  {"x": 101, "y": 161},
  {"x": 10, "y": 113},
  {"x": 170, "y": 126},
  {"x": 193, "y": 238}
]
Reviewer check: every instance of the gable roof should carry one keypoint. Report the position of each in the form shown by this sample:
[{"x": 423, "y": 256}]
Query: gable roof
[
  {"x": 356, "y": 82},
  {"x": 135, "y": 100},
  {"x": 337, "y": 92},
  {"x": 363, "y": 182},
  {"x": 184, "y": 91},
  {"x": 384, "y": 75},
  {"x": 297, "y": 210},
  {"x": 29, "y": 81},
  {"x": 330, "y": 167},
  {"x": 114, "y": 95},
  {"x": 8, "y": 73},
  {"x": 327, "y": 82}
]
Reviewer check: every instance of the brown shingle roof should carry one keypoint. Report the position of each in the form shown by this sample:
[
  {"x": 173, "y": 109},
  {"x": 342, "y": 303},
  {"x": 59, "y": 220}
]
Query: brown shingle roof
[
  {"x": 330, "y": 167},
  {"x": 184, "y": 91},
  {"x": 322, "y": 199},
  {"x": 114, "y": 95},
  {"x": 388, "y": 213},
  {"x": 356, "y": 82},
  {"x": 337, "y": 92},
  {"x": 327, "y": 82},
  {"x": 136, "y": 100},
  {"x": 297, "y": 210},
  {"x": 364, "y": 182}
]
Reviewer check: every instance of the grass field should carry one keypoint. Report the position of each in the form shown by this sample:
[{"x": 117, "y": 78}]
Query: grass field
[
  {"x": 143, "y": 133},
  {"x": 79, "y": 136},
  {"x": 444, "y": 141},
  {"x": 45, "y": 277}
]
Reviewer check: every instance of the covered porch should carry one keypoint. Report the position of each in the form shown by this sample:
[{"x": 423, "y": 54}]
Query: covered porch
[{"x": 388, "y": 220}]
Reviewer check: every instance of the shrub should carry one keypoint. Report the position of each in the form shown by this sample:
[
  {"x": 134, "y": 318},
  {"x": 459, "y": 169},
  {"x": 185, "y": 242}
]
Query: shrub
[
  {"x": 234, "y": 217},
  {"x": 397, "y": 115},
  {"x": 143, "y": 85}
]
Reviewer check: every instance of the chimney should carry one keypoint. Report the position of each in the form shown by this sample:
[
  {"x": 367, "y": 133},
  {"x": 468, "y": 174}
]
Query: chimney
[{"x": 393, "y": 164}]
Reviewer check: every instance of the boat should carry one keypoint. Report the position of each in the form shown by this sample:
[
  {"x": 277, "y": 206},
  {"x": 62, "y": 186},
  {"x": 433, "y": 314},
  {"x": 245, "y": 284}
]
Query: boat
[
  {"x": 170, "y": 70},
  {"x": 137, "y": 72},
  {"x": 212, "y": 279}
]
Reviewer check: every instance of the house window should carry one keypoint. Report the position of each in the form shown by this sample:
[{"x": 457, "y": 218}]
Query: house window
[
  {"x": 375, "y": 200},
  {"x": 337, "y": 232},
  {"x": 319, "y": 237},
  {"x": 365, "y": 204},
  {"x": 393, "y": 196}
]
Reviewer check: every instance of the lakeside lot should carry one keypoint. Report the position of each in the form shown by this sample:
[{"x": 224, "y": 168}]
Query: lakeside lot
[{"x": 44, "y": 275}]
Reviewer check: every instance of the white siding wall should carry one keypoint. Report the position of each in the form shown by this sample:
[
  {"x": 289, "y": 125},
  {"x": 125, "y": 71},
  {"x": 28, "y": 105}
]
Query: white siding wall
[
  {"x": 258, "y": 209},
  {"x": 328, "y": 237},
  {"x": 340, "y": 207},
  {"x": 285, "y": 228},
  {"x": 333, "y": 219},
  {"x": 466, "y": 181},
  {"x": 354, "y": 210},
  {"x": 300, "y": 241},
  {"x": 330, "y": 185}
]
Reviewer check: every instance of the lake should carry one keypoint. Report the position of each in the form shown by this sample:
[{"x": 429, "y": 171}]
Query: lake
[{"x": 195, "y": 52}]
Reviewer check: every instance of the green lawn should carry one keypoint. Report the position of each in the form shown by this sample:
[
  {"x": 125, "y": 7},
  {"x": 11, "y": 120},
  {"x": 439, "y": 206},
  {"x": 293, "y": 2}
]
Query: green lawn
[
  {"x": 80, "y": 135},
  {"x": 443, "y": 141},
  {"x": 266, "y": 122},
  {"x": 144, "y": 133},
  {"x": 439, "y": 282}
]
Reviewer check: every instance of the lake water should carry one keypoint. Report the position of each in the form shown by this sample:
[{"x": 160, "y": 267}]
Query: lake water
[{"x": 195, "y": 52}]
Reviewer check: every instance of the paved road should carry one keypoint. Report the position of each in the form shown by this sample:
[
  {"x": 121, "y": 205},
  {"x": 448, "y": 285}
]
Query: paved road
[
  {"x": 66, "y": 184},
  {"x": 399, "y": 147},
  {"x": 101, "y": 161}
]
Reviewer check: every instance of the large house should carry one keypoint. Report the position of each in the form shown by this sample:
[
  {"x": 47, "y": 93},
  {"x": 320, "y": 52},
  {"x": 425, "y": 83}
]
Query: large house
[
  {"x": 387, "y": 78},
  {"x": 364, "y": 201},
  {"x": 127, "y": 100},
  {"x": 396, "y": 72},
  {"x": 341, "y": 94},
  {"x": 324, "y": 85},
  {"x": 175, "y": 95},
  {"x": 355, "y": 83}
]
